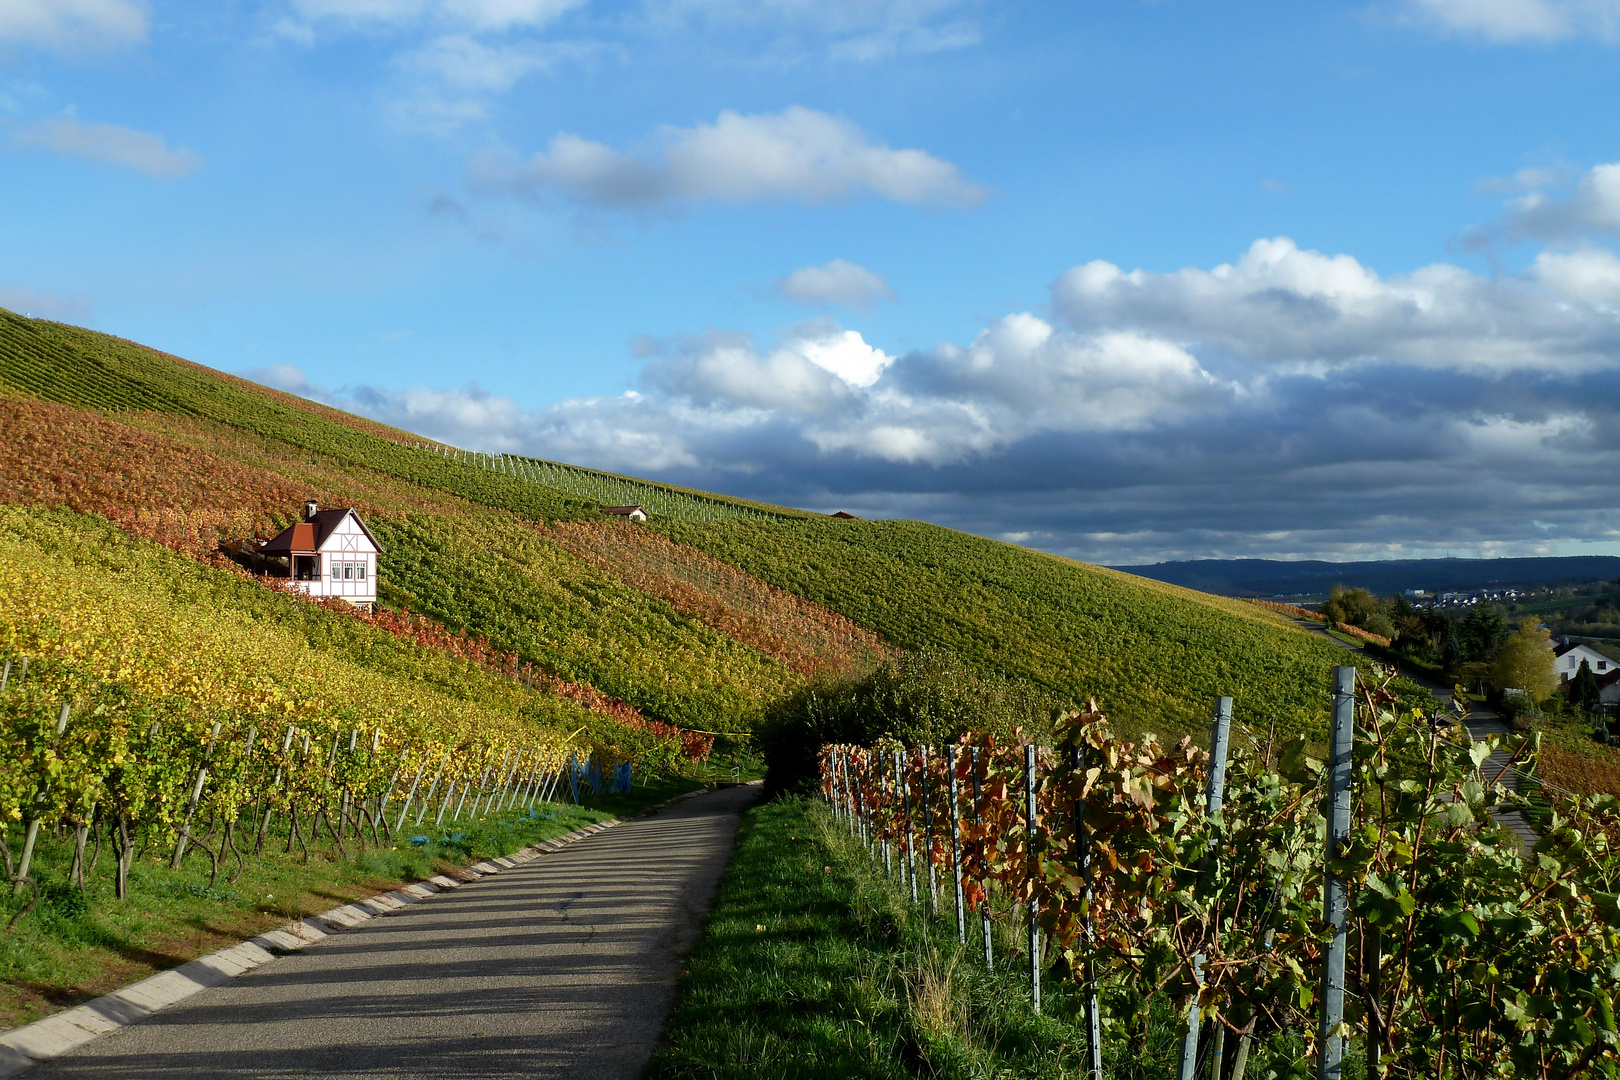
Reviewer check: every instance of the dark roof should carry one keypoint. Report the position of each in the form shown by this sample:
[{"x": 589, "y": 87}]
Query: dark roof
[
  {"x": 846, "y": 515},
  {"x": 1560, "y": 650},
  {"x": 623, "y": 511},
  {"x": 306, "y": 537}
]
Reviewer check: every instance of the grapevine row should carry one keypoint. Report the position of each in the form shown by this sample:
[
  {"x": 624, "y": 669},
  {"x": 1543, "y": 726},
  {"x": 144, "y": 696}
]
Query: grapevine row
[
  {"x": 1118, "y": 867},
  {"x": 81, "y": 751}
]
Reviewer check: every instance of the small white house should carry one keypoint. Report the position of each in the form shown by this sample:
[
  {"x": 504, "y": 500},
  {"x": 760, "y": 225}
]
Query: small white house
[
  {"x": 329, "y": 553},
  {"x": 1569, "y": 657},
  {"x": 630, "y": 513}
]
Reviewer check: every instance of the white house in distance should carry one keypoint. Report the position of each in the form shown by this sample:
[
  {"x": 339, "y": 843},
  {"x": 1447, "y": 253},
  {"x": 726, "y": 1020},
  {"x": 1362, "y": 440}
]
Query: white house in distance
[
  {"x": 1568, "y": 659},
  {"x": 629, "y": 513},
  {"x": 329, "y": 553}
]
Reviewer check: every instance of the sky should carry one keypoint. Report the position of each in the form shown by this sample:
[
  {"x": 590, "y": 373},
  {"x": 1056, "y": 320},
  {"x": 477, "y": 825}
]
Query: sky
[{"x": 1125, "y": 281}]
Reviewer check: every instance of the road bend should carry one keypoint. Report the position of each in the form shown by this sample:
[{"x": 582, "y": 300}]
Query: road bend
[{"x": 564, "y": 966}]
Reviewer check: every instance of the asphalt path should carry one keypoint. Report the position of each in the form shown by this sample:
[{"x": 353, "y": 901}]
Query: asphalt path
[{"x": 564, "y": 966}]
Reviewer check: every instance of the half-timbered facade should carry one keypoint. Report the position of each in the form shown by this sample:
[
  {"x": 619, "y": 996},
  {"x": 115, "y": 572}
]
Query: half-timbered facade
[{"x": 329, "y": 553}]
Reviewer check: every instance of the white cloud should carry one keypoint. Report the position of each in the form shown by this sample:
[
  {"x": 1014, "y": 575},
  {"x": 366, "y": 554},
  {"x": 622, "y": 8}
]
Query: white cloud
[
  {"x": 1522, "y": 20},
  {"x": 1589, "y": 276},
  {"x": 799, "y": 155},
  {"x": 1280, "y": 303},
  {"x": 837, "y": 282},
  {"x": 1594, "y": 207},
  {"x": 846, "y": 30},
  {"x": 465, "y": 63},
  {"x": 110, "y": 144},
  {"x": 70, "y": 26},
  {"x": 474, "y": 15},
  {"x": 44, "y": 305}
]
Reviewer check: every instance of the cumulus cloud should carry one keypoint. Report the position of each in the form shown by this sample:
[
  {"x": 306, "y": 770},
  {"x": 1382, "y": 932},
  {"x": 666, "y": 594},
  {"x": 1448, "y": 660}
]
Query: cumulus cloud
[
  {"x": 837, "y": 282},
  {"x": 1521, "y": 20},
  {"x": 1289, "y": 403},
  {"x": 70, "y": 26},
  {"x": 1283, "y": 304},
  {"x": 1594, "y": 207},
  {"x": 45, "y": 305},
  {"x": 110, "y": 144},
  {"x": 799, "y": 155}
]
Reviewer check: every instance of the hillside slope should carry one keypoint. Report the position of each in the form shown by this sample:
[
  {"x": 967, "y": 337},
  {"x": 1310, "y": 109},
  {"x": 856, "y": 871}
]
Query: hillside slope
[{"x": 740, "y": 604}]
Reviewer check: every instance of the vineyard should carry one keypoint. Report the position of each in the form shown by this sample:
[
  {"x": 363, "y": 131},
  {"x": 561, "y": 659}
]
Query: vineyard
[
  {"x": 1147, "y": 880},
  {"x": 1153, "y": 652}
]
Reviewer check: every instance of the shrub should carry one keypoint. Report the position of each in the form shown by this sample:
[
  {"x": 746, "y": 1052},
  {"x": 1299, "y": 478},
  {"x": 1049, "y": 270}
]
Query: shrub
[{"x": 923, "y": 698}]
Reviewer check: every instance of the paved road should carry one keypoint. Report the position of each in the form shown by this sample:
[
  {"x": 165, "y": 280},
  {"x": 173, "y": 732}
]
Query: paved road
[
  {"x": 565, "y": 966},
  {"x": 1481, "y": 723}
]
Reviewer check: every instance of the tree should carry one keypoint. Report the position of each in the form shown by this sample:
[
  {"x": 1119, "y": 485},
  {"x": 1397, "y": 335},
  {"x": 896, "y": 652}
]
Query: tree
[
  {"x": 1525, "y": 662},
  {"x": 1482, "y": 632},
  {"x": 1583, "y": 689}
]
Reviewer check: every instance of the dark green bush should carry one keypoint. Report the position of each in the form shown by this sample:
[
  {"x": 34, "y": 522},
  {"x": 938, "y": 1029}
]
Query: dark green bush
[{"x": 926, "y": 697}]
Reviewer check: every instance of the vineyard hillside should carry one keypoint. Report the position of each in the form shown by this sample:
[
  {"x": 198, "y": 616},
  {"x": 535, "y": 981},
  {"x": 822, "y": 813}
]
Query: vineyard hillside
[{"x": 704, "y": 618}]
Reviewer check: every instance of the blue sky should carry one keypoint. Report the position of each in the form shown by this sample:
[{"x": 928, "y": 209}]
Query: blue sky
[{"x": 1125, "y": 281}]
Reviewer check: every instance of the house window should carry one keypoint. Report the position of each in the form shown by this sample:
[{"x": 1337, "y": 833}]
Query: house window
[
  {"x": 337, "y": 570},
  {"x": 348, "y": 571},
  {"x": 360, "y": 571},
  {"x": 1602, "y": 664}
]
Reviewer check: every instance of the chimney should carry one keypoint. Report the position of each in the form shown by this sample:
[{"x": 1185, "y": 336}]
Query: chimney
[{"x": 311, "y": 508}]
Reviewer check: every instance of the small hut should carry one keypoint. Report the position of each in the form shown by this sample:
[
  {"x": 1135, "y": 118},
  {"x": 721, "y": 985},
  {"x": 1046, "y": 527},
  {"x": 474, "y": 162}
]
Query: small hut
[
  {"x": 629, "y": 513},
  {"x": 329, "y": 553}
]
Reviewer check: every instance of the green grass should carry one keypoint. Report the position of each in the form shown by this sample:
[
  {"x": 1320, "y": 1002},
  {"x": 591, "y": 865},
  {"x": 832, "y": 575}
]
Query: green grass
[
  {"x": 1155, "y": 656},
  {"x": 813, "y": 965},
  {"x": 76, "y": 944}
]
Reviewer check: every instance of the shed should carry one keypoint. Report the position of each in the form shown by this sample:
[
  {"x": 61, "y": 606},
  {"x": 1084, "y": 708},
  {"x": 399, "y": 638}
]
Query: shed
[
  {"x": 845, "y": 515},
  {"x": 632, "y": 513},
  {"x": 329, "y": 553}
]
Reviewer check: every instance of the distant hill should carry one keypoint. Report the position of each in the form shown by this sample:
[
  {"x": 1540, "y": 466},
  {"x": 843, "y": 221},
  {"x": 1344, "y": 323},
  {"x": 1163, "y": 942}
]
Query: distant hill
[{"x": 1274, "y": 577}]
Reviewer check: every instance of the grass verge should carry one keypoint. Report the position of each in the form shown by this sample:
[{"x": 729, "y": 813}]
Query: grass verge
[
  {"x": 814, "y": 965},
  {"x": 79, "y": 944}
]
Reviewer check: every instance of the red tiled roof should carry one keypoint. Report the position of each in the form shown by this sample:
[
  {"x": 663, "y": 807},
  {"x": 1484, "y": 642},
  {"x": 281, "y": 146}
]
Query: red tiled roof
[{"x": 307, "y": 537}]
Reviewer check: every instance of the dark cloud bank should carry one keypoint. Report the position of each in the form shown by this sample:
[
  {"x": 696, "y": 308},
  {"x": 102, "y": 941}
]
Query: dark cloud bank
[{"x": 1288, "y": 404}]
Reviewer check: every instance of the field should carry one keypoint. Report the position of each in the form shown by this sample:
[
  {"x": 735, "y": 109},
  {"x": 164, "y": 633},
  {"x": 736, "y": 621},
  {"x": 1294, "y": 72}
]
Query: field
[{"x": 1153, "y": 655}]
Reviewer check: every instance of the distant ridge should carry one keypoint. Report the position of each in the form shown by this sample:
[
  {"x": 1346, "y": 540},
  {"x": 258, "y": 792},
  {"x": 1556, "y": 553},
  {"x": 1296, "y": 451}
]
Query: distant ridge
[{"x": 1275, "y": 577}]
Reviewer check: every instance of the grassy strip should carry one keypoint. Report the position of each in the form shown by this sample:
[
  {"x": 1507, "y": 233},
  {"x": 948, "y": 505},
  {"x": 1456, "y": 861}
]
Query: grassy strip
[
  {"x": 813, "y": 965},
  {"x": 77, "y": 945}
]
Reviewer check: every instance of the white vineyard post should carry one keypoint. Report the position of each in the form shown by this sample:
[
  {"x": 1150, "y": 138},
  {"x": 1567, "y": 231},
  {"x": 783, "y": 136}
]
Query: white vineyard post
[
  {"x": 196, "y": 795},
  {"x": 956, "y": 845},
  {"x": 427, "y": 800},
  {"x": 886, "y": 803},
  {"x": 1031, "y": 867},
  {"x": 903, "y": 782},
  {"x": 5, "y": 677},
  {"x": 928, "y": 834},
  {"x": 1214, "y": 795},
  {"x": 39, "y": 797},
  {"x": 411, "y": 795},
  {"x": 984, "y": 886},
  {"x": 449, "y": 797},
  {"x": 1335, "y": 895},
  {"x": 382, "y": 807},
  {"x": 520, "y": 777},
  {"x": 1082, "y": 862}
]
